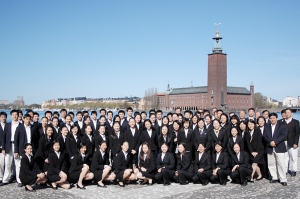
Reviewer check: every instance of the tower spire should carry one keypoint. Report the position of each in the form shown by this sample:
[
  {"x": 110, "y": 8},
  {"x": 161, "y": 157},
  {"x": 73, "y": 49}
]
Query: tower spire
[{"x": 217, "y": 41}]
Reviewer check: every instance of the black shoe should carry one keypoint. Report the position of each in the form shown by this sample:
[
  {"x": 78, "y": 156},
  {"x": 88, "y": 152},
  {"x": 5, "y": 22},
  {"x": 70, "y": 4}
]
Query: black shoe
[
  {"x": 294, "y": 173},
  {"x": 224, "y": 183},
  {"x": 258, "y": 179},
  {"x": 55, "y": 188},
  {"x": 245, "y": 183},
  {"x": 205, "y": 183},
  {"x": 2, "y": 184},
  {"x": 144, "y": 183},
  {"x": 32, "y": 190},
  {"x": 78, "y": 187},
  {"x": 184, "y": 183},
  {"x": 273, "y": 181},
  {"x": 20, "y": 185},
  {"x": 43, "y": 184},
  {"x": 167, "y": 184},
  {"x": 283, "y": 183},
  {"x": 102, "y": 186}
]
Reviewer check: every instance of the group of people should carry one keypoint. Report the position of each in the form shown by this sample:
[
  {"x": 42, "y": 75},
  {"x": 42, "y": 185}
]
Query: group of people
[{"x": 200, "y": 147}]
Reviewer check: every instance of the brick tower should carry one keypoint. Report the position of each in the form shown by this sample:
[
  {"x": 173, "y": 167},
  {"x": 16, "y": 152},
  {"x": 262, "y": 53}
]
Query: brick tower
[{"x": 217, "y": 74}]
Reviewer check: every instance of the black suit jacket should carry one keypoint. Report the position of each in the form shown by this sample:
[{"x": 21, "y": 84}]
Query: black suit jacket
[
  {"x": 95, "y": 128},
  {"x": 149, "y": 165},
  {"x": 62, "y": 143},
  {"x": 90, "y": 145},
  {"x": 2, "y": 136},
  {"x": 115, "y": 144},
  {"x": 77, "y": 162},
  {"x": 168, "y": 162},
  {"x": 99, "y": 139},
  {"x": 292, "y": 132},
  {"x": 201, "y": 139},
  {"x": 7, "y": 137},
  {"x": 204, "y": 163},
  {"x": 21, "y": 139},
  {"x": 243, "y": 162},
  {"x": 184, "y": 163},
  {"x": 98, "y": 161},
  {"x": 278, "y": 137},
  {"x": 72, "y": 145},
  {"x": 56, "y": 165},
  {"x": 189, "y": 140},
  {"x": 121, "y": 163},
  {"x": 223, "y": 161},
  {"x": 222, "y": 137},
  {"x": 28, "y": 169},
  {"x": 44, "y": 148},
  {"x": 134, "y": 141},
  {"x": 152, "y": 141},
  {"x": 169, "y": 141},
  {"x": 230, "y": 144},
  {"x": 256, "y": 143}
]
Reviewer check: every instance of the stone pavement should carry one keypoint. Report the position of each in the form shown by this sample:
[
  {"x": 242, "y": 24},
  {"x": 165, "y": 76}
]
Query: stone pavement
[{"x": 259, "y": 189}]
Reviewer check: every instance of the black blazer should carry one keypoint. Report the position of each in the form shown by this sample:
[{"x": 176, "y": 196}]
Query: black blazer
[
  {"x": 175, "y": 136},
  {"x": 124, "y": 125},
  {"x": 115, "y": 144},
  {"x": 222, "y": 137},
  {"x": 120, "y": 163},
  {"x": 278, "y": 137},
  {"x": 77, "y": 162},
  {"x": 40, "y": 132},
  {"x": 56, "y": 165},
  {"x": 62, "y": 143},
  {"x": 189, "y": 140},
  {"x": 56, "y": 133},
  {"x": 203, "y": 138},
  {"x": 204, "y": 163},
  {"x": 168, "y": 162},
  {"x": 230, "y": 144},
  {"x": 149, "y": 165},
  {"x": 95, "y": 128},
  {"x": 28, "y": 169},
  {"x": 2, "y": 136},
  {"x": 72, "y": 145},
  {"x": 292, "y": 132},
  {"x": 151, "y": 141},
  {"x": 223, "y": 161},
  {"x": 244, "y": 160},
  {"x": 98, "y": 161},
  {"x": 99, "y": 139},
  {"x": 20, "y": 139},
  {"x": 7, "y": 137},
  {"x": 90, "y": 145},
  {"x": 44, "y": 148},
  {"x": 256, "y": 144},
  {"x": 169, "y": 141},
  {"x": 134, "y": 141},
  {"x": 185, "y": 163}
]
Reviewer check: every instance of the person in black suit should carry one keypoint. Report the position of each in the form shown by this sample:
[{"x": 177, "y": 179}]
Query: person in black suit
[
  {"x": 122, "y": 163},
  {"x": 150, "y": 136},
  {"x": 94, "y": 122},
  {"x": 45, "y": 144},
  {"x": 102, "y": 136},
  {"x": 201, "y": 136},
  {"x": 72, "y": 142},
  {"x": 184, "y": 168},
  {"x": 42, "y": 128},
  {"x": 79, "y": 121},
  {"x": 234, "y": 137},
  {"x": 224, "y": 123},
  {"x": 217, "y": 134},
  {"x": 132, "y": 136},
  {"x": 241, "y": 167},
  {"x": 57, "y": 168},
  {"x": 202, "y": 165},
  {"x": 194, "y": 123},
  {"x": 243, "y": 132},
  {"x": 79, "y": 169},
  {"x": 166, "y": 137},
  {"x": 89, "y": 140},
  {"x": 3, "y": 117},
  {"x": 165, "y": 166},
  {"x": 175, "y": 133},
  {"x": 208, "y": 122},
  {"x": 146, "y": 169},
  {"x": 86, "y": 121},
  {"x": 255, "y": 146},
  {"x": 138, "y": 122},
  {"x": 62, "y": 140},
  {"x": 68, "y": 123},
  {"x": 292, "y": 140},
  {"x": 220, "y": 164},
  {"x": 100, "y": 166},
  {"x": 116, "y": 138},
  {"x": 56, "y": 128},
  {"x": 265, "y": 115},
  {"x": 29, "y": 171},
  {"x": 274, "y": 137},
  {"x": 123, "y": 121},
  {"x": 186, "y": 136}
]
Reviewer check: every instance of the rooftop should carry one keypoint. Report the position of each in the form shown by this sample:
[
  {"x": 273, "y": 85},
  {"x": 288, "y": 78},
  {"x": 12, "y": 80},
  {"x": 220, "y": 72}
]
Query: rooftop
[{"x": 203, "y": 89}]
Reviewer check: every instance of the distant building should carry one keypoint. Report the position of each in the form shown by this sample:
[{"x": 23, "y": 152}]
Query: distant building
[
  {"x": 215, "y": 94},
  {"x": 290, "y": 101},
  {"x": 4, "y": 102},
  {"x": 19, "y": 101}
]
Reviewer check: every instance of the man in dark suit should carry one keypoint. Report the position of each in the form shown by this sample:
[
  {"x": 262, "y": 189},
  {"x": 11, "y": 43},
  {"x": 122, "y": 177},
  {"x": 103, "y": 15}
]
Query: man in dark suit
[
  {"x": 274, "y": 137},
  {"x": 3, "y": 117},
  {"x": 132, "y": 136},
  {"x": 124, "y": 122},
  {"x": 94, "y": 122},
  {"x": 292, "y": 139}
]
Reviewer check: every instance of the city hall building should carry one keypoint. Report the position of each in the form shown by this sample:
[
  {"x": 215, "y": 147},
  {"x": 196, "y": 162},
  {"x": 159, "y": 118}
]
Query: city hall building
[{"x": 215, "y": 94}]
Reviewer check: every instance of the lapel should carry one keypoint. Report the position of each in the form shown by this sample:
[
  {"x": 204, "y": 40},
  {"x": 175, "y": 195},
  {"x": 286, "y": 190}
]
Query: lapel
[
  {"x": 276, "y": 129},
  {"x": 215, "y": 157}
]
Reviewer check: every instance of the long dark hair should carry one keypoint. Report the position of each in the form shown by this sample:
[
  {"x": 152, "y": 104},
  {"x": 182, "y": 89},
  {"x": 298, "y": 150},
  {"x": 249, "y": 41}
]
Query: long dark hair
[
  {"x": 184, "y": 146},
  {"x": 148, "y": 152}
]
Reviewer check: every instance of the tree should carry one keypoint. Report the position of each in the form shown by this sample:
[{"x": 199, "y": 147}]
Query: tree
[
  {"x": 260, "y": 101},
  {"x": 151, "y": 98}
]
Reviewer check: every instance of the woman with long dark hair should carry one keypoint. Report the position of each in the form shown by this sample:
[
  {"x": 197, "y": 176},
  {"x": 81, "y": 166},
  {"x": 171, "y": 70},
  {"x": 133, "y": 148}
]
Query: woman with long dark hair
[
  {"x": 166, "y": 137},
  {"x": 116, "y": 139},
  {"x": 73, "y": 141}
]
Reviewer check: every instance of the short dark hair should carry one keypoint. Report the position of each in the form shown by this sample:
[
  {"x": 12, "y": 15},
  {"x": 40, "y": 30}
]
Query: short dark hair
[
  {"x": 109, "y": 112},
  {"x": 14, "y": 111},
  {"x": 103, "y": 109},
  {"x": 63, "y": 110},
  {"x": 79, "y": 113},
  {"x": 26, "y": 116},
  {"x": 94, "y": 112},
  {"x": 266, "y": 111},
  {"x": 251, "y": 109},
  {"x": 121, "y": 111},
  {"x": 158, "y": 111},
  {"x": 48, "y": 112},
  {"x": 288, "y": 109},
  {"x": 273, "y": 114},
  {"x": 283, "y": 111},
  {"x": 129, "y": 109},
  {"x": 3, "y": 113},
  {"x": 36, "y": 113}
]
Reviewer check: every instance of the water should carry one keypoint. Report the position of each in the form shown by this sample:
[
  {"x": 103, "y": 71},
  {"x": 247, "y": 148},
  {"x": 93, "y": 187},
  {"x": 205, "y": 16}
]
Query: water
[{"x": 295, "y": 115}]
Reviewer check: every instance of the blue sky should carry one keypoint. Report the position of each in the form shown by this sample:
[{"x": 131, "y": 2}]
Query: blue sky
[{"x": 51, "y": 49}]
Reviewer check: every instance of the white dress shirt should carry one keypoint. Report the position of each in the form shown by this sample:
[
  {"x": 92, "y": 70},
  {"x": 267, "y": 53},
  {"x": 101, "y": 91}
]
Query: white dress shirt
[
  {"x": 14, "y": 126},
  {"x": 200, "y": 155},
  {"x": 162, "y": 156},
  {"x": 149, "y": 133},
  {"x": 28, "y": 133},
  {"x": 217, "y": 157}
]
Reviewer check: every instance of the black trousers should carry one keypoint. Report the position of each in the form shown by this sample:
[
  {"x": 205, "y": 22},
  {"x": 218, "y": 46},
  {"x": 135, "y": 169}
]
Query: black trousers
[
  {"x": 184, "y": 176},
  {"x": 221, "y": 176},
  {"x": 240, "y": 174},
  {"x": 203, "y": 177},
  {"x": 165, "y": 175}
]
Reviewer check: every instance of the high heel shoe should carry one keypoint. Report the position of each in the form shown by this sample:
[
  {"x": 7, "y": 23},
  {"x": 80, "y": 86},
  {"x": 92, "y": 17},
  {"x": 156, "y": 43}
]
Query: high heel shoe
[
  {"x": 32, "y": 190},
  {"x": 121, "y": 185},
  {"x": 251, "y": 180},
  {"x": 258, "y": 179},
  {"x": 54, "y": 187},
  {"x": 102, "y": 186},
  {"x": 79, "y": 187}
]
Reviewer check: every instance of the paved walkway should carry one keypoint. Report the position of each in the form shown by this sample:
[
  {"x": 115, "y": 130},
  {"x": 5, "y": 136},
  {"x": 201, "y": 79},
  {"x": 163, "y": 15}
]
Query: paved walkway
[{"x": 260, "y": 189}]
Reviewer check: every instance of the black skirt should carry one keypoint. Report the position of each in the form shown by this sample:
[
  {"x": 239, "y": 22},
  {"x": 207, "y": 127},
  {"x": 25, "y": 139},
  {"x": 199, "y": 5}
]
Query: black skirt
[
  {"x": 53, "y": 177},
  {"x": 147, "y": 174},
  {"x": 29, "y": 180},
  {"x": 98, "y": 175},
  {"x": 120, "y": 175},
  {"x": 259, "y": 159},
  {"x": 73, "y": 177}
]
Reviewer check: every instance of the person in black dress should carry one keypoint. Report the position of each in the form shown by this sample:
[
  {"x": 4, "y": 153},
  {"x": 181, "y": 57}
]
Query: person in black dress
[
  {"x": 220, "y": 164},
  {"x": 100, "y": 165},
  {"x": 234, "y": 137},
  {"x": 79, "y": 169},
  {"x": 184, "y": 168},
  {"x": 57, "y": 168},
  {"x": 102, "y": 136},
  {"x": 89, "y": 140},
  {"x": 255, "y": 146},
  {"x": 166, "y": 137},
  {"x": 123, "y": 166},
  {"x": 29, "y": 171},
  {"x": 45, "y": 144},
  {"x": 165, "y": 166},
  {"x": 72, "y": 142},
  {"x": 146, "y": 169},
  {"x": 116, "y": 138},
  {"x": 202, "y": 165},
  {"x": 241, "y": 167}
]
